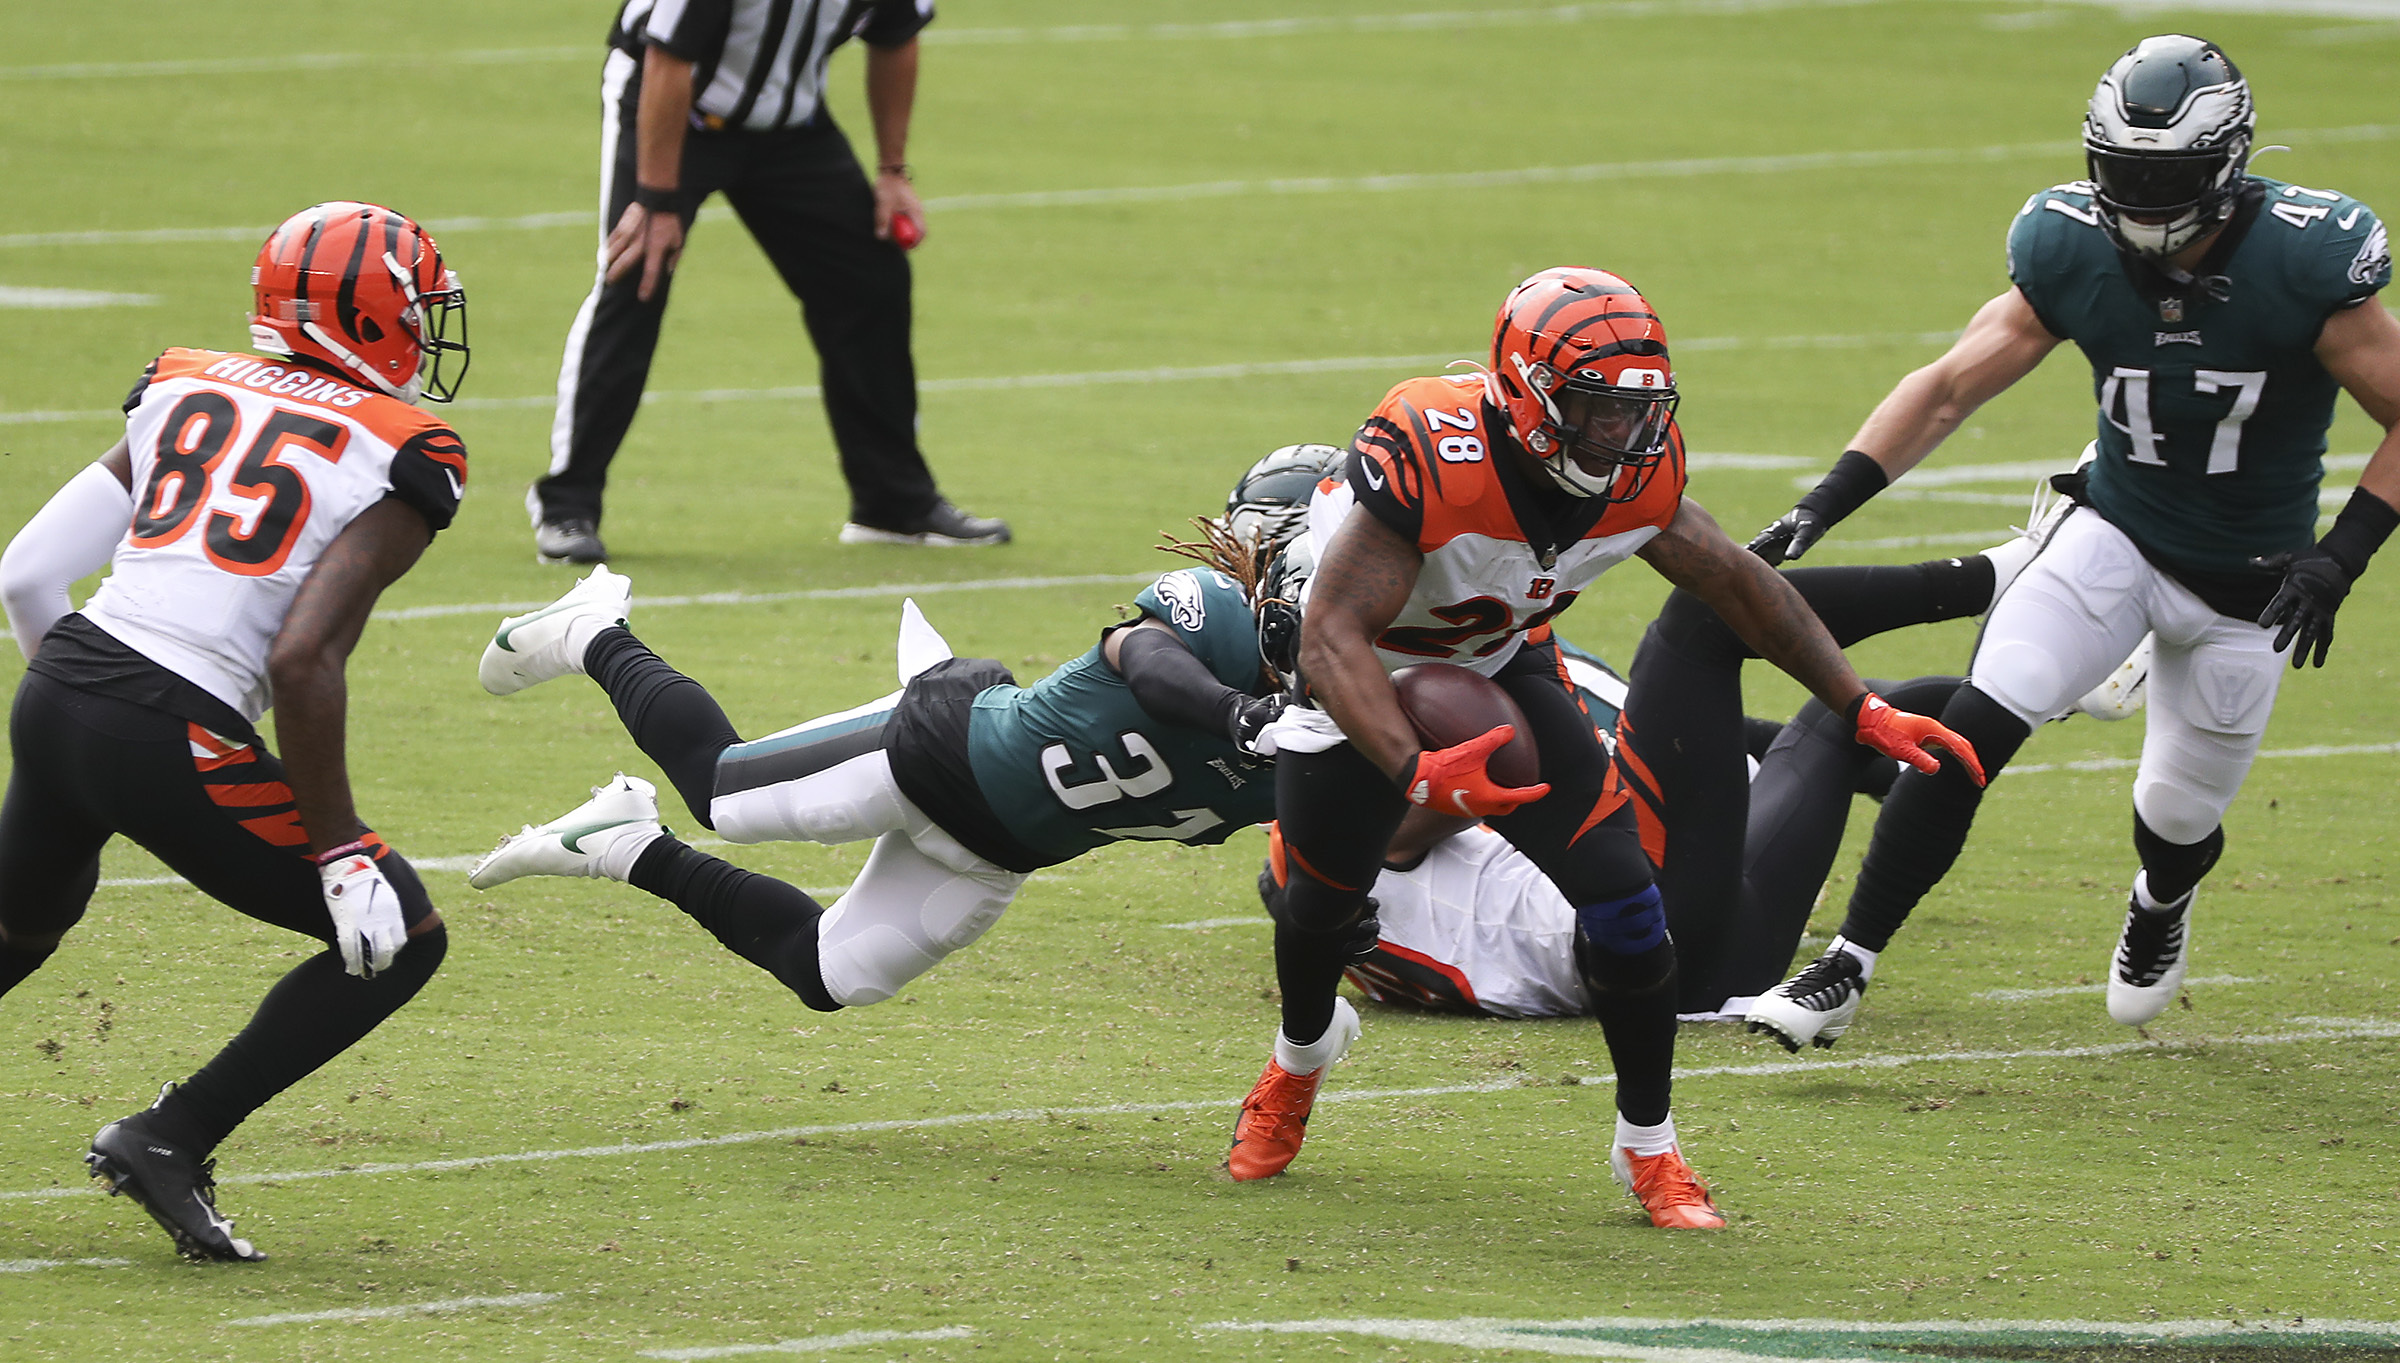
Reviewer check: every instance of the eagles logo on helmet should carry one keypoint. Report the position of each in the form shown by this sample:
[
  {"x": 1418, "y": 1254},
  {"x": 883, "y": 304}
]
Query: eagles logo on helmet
[
  {"x": 2167, "y": 139},
  {"x": 1579, "y": 366},
  {"x": 362, "y": 290}
]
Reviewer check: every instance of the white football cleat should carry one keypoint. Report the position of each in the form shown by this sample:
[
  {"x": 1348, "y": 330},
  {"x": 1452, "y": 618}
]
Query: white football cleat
[
  {"x": 2125, "y": 690},
  {"x": 532, "y": 648},
  {"x": 599, "y": 838},
  {"x": 1814, "y": 1007},
  {"x": 2153, "y": 949}
]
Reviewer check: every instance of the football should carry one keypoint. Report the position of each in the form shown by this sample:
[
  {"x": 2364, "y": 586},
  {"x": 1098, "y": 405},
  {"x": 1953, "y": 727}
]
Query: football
[{"x": 1449, "y": 705}]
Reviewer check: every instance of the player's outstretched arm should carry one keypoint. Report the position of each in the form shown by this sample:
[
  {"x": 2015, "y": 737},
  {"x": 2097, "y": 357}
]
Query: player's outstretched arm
[
  {"x": 1170, "y": 683},
  {"x": 2001, "y": 345},
  {"x": 70, "y": 538},
  {"x": 1772, "y": 617},
  {"x": 2360, "y": 347}
]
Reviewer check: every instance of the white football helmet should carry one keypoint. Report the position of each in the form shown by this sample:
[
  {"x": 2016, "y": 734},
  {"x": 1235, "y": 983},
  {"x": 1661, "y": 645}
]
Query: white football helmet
[{"x": 2167, "y": 139}]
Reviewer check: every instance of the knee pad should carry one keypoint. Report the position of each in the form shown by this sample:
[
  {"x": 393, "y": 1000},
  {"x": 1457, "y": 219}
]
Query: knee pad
[
  {"x": 2171, "y": 813},
  {"x": 1307, "y": 904},
  {"x": 1624, "y": 927},
  {"x": 2175, "y": 865},
  {"x": 1609, "y": 975},
  {"x": 870, "y": 946}
]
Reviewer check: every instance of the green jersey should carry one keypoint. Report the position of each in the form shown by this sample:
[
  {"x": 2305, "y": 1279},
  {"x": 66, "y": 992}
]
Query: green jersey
[
  {"x": 1073, "y": 761},
  {"x": 2213, "y": 407}
]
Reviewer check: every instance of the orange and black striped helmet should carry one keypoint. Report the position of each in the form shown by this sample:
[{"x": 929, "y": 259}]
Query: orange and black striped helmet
[
  {"x": 363, "y": 289},
  {"x": 1579, "y": 364}
]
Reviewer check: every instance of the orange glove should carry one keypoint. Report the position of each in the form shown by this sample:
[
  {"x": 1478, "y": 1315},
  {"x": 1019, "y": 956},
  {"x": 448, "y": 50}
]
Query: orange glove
[
  {"x": 1453, "y": 781},
  {"x": 1897, "y": 733}
]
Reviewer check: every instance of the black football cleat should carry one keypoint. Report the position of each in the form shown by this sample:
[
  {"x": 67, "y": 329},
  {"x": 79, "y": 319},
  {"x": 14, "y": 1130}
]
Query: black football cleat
[{"x": 177, "y": 1188}]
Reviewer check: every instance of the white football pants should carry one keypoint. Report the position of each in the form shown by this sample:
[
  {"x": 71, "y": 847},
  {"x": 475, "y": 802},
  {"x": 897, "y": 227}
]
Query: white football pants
[
  {"x": 921, "y": 896},
  {"x": 2074, "y": 614}
]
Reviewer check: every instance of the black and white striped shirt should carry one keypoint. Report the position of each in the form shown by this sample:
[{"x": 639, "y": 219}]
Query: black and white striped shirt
[{"x": 761, "y": 63}]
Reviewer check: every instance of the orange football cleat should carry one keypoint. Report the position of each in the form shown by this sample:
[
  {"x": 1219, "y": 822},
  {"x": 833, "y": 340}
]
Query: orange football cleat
[
  {"x": 1668, "y": 1189},
  {"x": 1274, "y": 1120}
]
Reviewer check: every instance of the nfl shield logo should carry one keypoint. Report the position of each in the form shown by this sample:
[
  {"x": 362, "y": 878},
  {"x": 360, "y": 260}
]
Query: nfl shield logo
[{"x": 2170, "y": 309}]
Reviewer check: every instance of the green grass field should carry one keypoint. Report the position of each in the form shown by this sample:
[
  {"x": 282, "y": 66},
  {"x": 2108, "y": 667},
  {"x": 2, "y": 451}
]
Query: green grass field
[{"x": 598, "y": 1136}]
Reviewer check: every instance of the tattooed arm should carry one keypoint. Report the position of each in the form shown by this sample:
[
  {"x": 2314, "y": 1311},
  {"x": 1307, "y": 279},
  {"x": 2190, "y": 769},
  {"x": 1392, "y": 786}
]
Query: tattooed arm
[
  {"x": 1766, "y": 611},
  {"x": 1360, "y": 588}
]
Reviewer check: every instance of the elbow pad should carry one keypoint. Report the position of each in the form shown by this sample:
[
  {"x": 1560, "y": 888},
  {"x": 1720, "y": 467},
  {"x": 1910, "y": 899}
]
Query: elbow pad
[{"x": 73, "y": 536}]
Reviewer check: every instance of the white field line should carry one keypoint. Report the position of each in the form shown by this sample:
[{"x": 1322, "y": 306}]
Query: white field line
[
  {"x": 2022, "y": 471},
  {"x": 815, "y": 1343},
  {"x": 462, "y": 864},
  {"x": 37, "y": 1265},
  {"x": 418, "y": 1308},
  {"x": 1101, "y": 378},
  {"x": 976, "y": 584},
  {"x": 2311, "y": 1030},
  {"x": 1255, "y": 920},
  {"x": 73, "y": 298},
  {"x": 1572, "y": 1338},
  {"x": 2021, "y": 995}
]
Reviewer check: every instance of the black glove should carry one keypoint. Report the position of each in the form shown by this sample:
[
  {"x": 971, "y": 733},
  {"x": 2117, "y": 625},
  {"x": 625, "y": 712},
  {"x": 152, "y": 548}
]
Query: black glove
[
  {"x": 2314, "y": 583},
  {"x": 1850, "y": 484},
  {"x": 1251, "y": 717},
  {"x": 1790, "y": 535}
]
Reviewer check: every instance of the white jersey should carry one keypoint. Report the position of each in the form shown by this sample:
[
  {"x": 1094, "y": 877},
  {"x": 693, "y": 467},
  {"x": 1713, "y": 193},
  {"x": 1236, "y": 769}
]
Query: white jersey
[
  {"x": 244, "y": 470},
  {"x": 1475, "y": 923}
]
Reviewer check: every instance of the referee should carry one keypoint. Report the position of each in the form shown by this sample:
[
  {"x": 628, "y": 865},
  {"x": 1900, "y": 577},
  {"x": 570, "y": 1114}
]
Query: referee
[{"x": 706, "y": 95}]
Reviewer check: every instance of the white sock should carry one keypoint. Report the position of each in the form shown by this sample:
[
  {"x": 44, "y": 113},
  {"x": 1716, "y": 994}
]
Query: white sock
[
  {"x": 1864, "y": 957},
  {"x": 616, "y": 860},
  {"x": 580, "y": 632},
  {"x": 2008, "y": 560},
  {"x": 1306, "y": 1060},
  {"x": 1646, "y": 1140},
  {"x": 2142, "y": 896}
]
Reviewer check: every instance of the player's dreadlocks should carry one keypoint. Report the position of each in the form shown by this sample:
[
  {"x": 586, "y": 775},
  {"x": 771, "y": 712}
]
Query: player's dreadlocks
[{"x": 1218, "y": 547}]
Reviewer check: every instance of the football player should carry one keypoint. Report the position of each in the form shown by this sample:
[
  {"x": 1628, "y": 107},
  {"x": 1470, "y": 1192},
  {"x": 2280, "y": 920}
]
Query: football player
[
  {"x": 1476, "y": 509},
  {"x": 2221, "y": 313},
  {"x": 254, "y": 510},
  {"x": 965, "y": 781}
]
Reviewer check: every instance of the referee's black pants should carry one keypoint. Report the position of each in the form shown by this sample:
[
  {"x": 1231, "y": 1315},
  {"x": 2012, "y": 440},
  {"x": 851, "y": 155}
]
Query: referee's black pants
[{"x": 806, "y": 201}]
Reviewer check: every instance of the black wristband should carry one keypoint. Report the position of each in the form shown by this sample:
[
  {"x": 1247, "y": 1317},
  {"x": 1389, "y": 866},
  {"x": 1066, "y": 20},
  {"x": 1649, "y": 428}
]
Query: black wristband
[
  {"x": 2365, "y": 523},
  {"x": 1851, "y": 483},
  {"x": 657, "y": 200}
]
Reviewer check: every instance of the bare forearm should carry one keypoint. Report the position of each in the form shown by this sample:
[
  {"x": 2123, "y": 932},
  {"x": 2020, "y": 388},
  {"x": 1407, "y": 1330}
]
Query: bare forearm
[
  {"x": 1916, "y": 417},
  {"x": 1349, "y": 683},
  {"x": 666, "y": 110},
  {"x": 311, "y": 716},
  {"x": 1773, "y": 618},
  {"x": 891, "y": 99}
]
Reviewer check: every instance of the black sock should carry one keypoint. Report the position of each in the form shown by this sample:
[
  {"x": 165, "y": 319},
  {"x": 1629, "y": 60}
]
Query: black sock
[
  {"x": 1925, "y": 821},
  {"x": 1634, "y": 999},
  {"x": 764, "y": 921},
  {"x": 311, "y": 1015},
  {"x": 2174, "y": 869},
  {"x": 672, "y": 718},
  {"x": 17, "y": 963},
  {"x": 1859, "y": 602}
]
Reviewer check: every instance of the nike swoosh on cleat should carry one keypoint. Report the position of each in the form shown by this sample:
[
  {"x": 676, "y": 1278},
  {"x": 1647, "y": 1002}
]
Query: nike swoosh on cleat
[
  {"x": 567, "y": 836},
  {"x": 500, "y": 640}
]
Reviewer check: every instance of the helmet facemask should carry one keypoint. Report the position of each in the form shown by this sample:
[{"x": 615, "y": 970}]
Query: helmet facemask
[{"x": 1601, "y": 437}]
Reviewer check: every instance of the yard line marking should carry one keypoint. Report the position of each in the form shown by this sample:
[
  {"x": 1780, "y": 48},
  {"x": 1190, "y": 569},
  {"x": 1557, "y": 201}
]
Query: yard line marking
[
  {"x": 816, "y": 1343},
  {"x": 2314, "y": 1030},
  {"x": 2021, "y": 995},
  {"x": 418, "y": 1308},
  {"x": 1949, "y": 539},
  {"x": 1606, "y": 1336},
  {"x": 1251, "y": 920},
  {"x": 1164, "y": 374},
  {"x": 37, "y": 1265},
  {"x": 73, "y": 298},
  {"x": 973, "y": 584},
  {"x": 292, "y": 61},
  {"x": 1283, "y": 186},
  {"x": 2129, "y": 763}
]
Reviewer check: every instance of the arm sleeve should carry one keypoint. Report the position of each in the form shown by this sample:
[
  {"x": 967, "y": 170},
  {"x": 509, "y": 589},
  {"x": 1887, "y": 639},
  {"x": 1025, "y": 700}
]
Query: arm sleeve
[
  {"x": 1210, "y": 618},
  {"x": 69, "y": 539},
  {"x": 430, "y": 473},
  {"x": 893, "y": 22},
  {"x": 1172, "y": 684}
]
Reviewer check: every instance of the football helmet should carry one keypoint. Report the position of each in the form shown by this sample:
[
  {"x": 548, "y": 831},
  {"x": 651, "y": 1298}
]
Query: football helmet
[
  {"x": 1270, "y": 503},
  {"x": 1281, "y": 594},
  {"x": 2167, "y": 138},
  {"x": 1579, "y": 367},
  {"x": 362, "y": 289}
]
